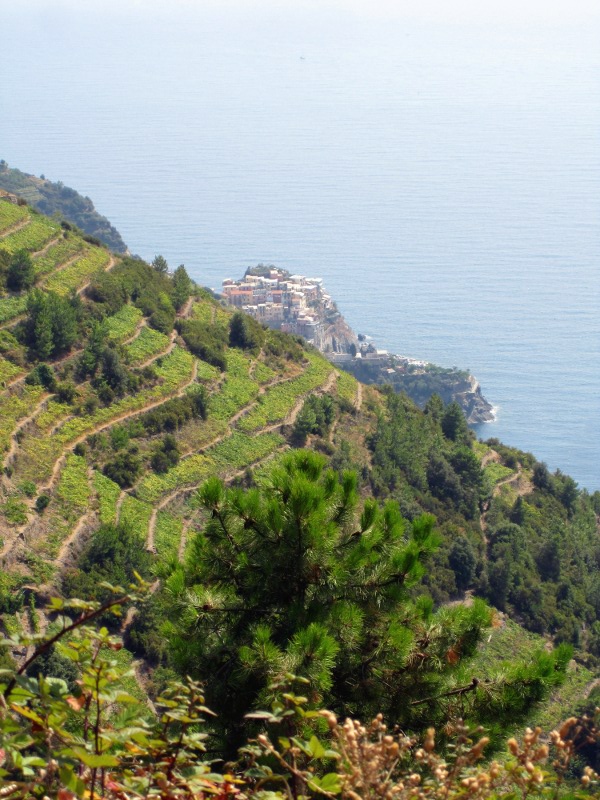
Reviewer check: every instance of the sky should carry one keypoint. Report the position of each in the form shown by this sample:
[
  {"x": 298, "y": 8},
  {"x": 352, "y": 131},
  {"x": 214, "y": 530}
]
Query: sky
[{"x": 537, "y": 12}]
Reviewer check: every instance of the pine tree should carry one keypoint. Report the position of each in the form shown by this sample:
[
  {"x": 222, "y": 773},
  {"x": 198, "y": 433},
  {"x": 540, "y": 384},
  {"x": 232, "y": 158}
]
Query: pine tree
[
  {"x": 182, "y": 287},
  {"x": 21, "y": 273},
  {"x": 160, "y": 264},
  {"x": 51, "y": 325},
  {"x": 296, "y": 577}
]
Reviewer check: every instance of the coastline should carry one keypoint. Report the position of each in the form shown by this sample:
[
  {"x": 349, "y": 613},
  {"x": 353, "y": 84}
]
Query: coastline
[{"x": 301, "y": 306}]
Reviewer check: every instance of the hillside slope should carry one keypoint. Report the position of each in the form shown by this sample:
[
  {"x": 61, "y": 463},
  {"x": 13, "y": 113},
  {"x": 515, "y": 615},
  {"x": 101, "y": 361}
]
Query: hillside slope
[{"x": 124, "y": 389}]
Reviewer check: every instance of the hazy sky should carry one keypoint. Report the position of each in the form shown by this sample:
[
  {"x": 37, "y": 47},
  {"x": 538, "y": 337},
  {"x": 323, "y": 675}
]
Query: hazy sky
[{"x": 448, "y": 11}]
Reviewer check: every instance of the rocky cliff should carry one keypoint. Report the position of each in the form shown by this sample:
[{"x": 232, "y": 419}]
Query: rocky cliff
[{"x": 420, "y": 380}]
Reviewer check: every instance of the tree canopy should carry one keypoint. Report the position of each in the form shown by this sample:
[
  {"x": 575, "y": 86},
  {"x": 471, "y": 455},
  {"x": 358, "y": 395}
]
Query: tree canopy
[{"x": 301, "y": 577}]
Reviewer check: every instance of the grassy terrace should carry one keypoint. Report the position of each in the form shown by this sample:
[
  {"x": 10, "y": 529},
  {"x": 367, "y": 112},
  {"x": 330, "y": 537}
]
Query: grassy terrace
[
  {"x": 53, "y": 412},
  {"x": 147, "y": 344},
  {"x": 122, "y": 325},
  {"x": 279, "y": 400},
  {"x": 33, "y": 236},
  {"x": 235, "y": 393},
  {"x": 39, "y": 453},
  {"x": 79, "y": 272},
  {"x": 238, "y": 362},
  {"x": 495, "y": 472},
  {"x": 203, "y": 311},
  {"x": 10, "y": 215},
  {"x": 108, "y": 493},
  {"x": 167, "y": 535},
  {"x": 14, "y": 407},
  {"x": 136, "y": 515},
  {"x": 231, "y": 455},
  {"x": 206, "y": 372},
  {"x": 347, "y": 387},
  {"x": 189, "y": 472},
  {"x": 175, "y": 369},
  {"x": 8, "y": 370},
  {"x": 73, "y": 491},
  {"x": 239, "y": 450},
  {"x": 13, "y": 306},
  {"x": 58, "y": 254},
  {"x": 262, "y": 373}
]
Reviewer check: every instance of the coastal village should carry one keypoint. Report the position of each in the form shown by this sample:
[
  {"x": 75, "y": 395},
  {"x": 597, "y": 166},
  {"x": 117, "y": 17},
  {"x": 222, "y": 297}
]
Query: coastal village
[
  {"x": 300, "y": 305},
  {"x": 290, "y": 303}
]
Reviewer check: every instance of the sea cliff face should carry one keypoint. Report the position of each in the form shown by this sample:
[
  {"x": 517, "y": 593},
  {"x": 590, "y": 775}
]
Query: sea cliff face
[{"x": 419, "y": 380}]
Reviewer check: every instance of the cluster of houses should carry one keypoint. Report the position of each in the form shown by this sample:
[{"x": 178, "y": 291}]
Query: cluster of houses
[{"x": 291, "y": 303}]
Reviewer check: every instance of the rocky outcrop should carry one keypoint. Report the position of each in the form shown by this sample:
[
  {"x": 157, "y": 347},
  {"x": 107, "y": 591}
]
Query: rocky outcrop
[
  {"x": 473, "y": 403},
  {"x": 419, "y": 381},
  {"x": 338, "y": 337}
]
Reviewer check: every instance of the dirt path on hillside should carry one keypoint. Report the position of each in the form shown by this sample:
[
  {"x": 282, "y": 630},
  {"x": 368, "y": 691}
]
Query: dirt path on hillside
[
  {"x": 114, "y": 421},
  {"x": 162, "y": 354},
  {"x": 490, "y": 456},
  {"x": 184, "y": 311},
  {"x": 359, "y": 397},
  {"x": 14, "y": 445},
  {"x": 118, "y": 505},
  {"x": 138, "y": 329},
  {"x": 22, "y": 223},
  {"x": 159, "y": 507},
  {"x": 523, "y": 486},
  {"x": 255, "y": 362},
  {"x": 112, "y": 261},
  {"x": 10, "y": 323},
  {"x": 290, "y": 418},
  {"x": 60, "y": 462},
  {"x": 64, "y": 553},
  {"x": 46, "y": 247}
]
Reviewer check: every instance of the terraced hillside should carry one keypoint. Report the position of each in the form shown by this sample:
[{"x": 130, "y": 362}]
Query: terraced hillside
[
  {"x": 83, "y": 429},
  {"x": 122, "y": 389}
]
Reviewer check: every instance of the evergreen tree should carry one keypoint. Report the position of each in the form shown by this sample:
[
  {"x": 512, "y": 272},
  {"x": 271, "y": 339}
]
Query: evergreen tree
[
  {"x": 51, "y": 326},
  {"x": 113, "y": 371},
  {"x": 160, "y": 264},
  {"x": 92, "y": 354},
  {"x": 182, "y": 287},
  {"x": 297, "y": 578},
  {"x": 245, "y": 332},
  {"x": 454, "y": 424},
  {"x": 21, "y": 274}
]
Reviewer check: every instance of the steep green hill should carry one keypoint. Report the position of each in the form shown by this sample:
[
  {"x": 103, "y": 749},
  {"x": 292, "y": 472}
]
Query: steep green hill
[
  {"x": 57, "y": 199},
  {"x": 124, "y": 388}
]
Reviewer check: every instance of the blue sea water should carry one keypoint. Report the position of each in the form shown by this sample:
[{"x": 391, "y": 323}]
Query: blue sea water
[{"x": 443, "y": 179}]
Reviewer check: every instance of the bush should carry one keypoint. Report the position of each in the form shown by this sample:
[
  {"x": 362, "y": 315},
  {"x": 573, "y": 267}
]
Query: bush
[
  {"x": 125, "y": 469},
  {"x": 42, "y": 375},
  {"x": 28, "y": 488},
  {"x": 162, "y": 321},
  {"x": 66, "y": 392},
  {"x": 205, "y": 341},
  {"x": 166, "y": 456},
  {"x": 245, "y": 332}
]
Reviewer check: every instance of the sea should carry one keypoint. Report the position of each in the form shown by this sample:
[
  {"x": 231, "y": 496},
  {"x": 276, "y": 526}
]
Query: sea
[{"x": 440, "y": 173}]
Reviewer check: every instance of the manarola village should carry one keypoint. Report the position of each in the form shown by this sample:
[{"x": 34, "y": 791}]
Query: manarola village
[{"x": 328, "y": 528}]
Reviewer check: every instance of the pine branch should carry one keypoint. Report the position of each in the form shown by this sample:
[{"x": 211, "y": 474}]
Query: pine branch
[{"x": 455, "y": 692}]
